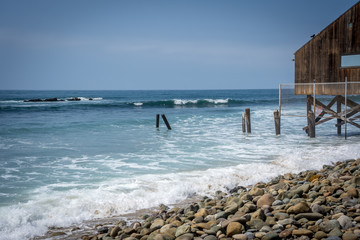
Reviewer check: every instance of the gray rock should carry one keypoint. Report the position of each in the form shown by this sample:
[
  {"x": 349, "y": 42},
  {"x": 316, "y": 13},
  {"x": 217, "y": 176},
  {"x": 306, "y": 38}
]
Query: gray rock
[
  {"x": 185, "y": 228},
  {"x": 316, "y": 208},
  {"x": 281, "y": 216},
  {"x": 286, "y": 221},
  {"x": 309, "y": 216},
  {"x": 335, "y": 232},
  {"x": 221, "y": 214},
  {"x": 345, "y": 222},
  {"x": 270, "y": 236},
  {"x": 239, "y": 237},
  {"x": 210, "y": 237},
  {"x": 187, "y": 236},
  {"x": 250, "y": 235},
  {"x": 277, "y": 203},
  {"x": 327, "y": 226},
  {"x": 266, "y": 229},
  {"x": 333, "y": 238}
]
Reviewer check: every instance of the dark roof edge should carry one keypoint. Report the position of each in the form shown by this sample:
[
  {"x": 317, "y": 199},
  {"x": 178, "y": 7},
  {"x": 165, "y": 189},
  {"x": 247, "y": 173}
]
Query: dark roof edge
[{"x": 328, "y": 26}]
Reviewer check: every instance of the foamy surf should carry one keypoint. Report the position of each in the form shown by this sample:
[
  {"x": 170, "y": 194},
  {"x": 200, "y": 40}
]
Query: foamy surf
[{"x": 49, "y": 208}]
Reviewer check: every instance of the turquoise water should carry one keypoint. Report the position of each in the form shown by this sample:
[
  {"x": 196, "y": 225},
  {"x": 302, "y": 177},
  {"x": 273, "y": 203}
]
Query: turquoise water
[{"x": 65, "y": 162}]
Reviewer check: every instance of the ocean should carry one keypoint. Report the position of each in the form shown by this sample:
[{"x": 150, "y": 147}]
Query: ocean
[{"x": 66, "y": 162}]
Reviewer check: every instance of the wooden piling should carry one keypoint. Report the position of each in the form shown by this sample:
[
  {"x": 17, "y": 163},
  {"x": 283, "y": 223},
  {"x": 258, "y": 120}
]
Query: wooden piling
[
  {"x": 277, "y": 122},
  {"x": 166, "y": 121},
  {"x": 311, "y": 122},
  {"x": 338, "y": 110},
  {"x": 157, "y": 120},
  {"x": 248, "y": 122},
  {"x": 243, "y": 123}
]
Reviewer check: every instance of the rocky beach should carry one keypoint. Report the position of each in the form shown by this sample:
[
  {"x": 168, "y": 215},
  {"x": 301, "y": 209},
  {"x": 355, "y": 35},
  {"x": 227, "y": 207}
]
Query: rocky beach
[{"x": 320, "y": 204}]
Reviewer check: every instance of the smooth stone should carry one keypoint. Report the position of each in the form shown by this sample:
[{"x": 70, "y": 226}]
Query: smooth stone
[
  {"x": 240, "y": 237},
  {"x": 281, "y": 216},
  {"x": 115, "y": 231},
  {"x": 221, "y": 214},
  {"x": 352, "y": 192},
  {"x": 202, "y": 212},
  {"x": 250, "y": 235},
  {"x": 345, "y": 222},
  {"x": 256, "y": 191},
  {"x": 320, "y": 235},
  {"x": 309, "y": 216},
  {"x": 316, "y": 208},
  {"x": 185, "y": 228},
  {"x": 327, "y": 226},
  {"x": 210, "y": 237},
  {"x": 266, "y": 229},
  {"x": 231, "y": 209},
  {"x": 234, "y": 228},
  {"x": 266, "y": 199},
  {"x": 259, "y": 214},
  {"x": 286, "y": 221},
  {"x": 157, "y": 224},
  {"x": 349, "y": 236},
  {"x": 335, "y": 232},
  {"x": 186, "y": 236},
  {"x": 270, "y": 236},
  {"x": 301, "y": 207},
  {"x": 301, "y": 232},
  {"x": 257, "y": 223},
  {"x": 333, "y": 238},
  {"x": 277, "y": 203},
  {"x": 259, "y": 234},
  {"x": 248, "y": 207}
]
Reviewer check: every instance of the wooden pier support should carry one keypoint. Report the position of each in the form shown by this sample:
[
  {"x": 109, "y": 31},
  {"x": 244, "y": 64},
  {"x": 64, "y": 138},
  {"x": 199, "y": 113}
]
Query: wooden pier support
[
  {"x": 277, "y": 122},
  {"x": 248, "y": 121},
  {"x": 311, "y": 124},
  {"x": 338, "y": 110},
  {"x": 157, "y": 120},
  {"x": 243, "y": 123},
  {"x": 166, "y": 121}
]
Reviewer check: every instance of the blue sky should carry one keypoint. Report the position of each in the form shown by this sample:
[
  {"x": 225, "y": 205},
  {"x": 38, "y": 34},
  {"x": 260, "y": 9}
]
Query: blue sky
[{"x": 134, "y": 44}]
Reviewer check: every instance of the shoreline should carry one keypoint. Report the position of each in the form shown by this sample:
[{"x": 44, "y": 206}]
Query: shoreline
[{"x": 313, "y": 204}]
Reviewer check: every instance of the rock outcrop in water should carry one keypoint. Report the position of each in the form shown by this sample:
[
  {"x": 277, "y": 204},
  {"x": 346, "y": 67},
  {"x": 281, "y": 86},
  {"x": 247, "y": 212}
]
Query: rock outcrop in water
[
  {"x": 55, "y": 99},
  {"x": 310, "y": 205}
]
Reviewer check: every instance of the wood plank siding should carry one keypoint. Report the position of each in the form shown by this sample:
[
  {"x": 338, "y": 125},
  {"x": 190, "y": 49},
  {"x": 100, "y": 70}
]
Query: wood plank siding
[{"x": 320, "y": 58}]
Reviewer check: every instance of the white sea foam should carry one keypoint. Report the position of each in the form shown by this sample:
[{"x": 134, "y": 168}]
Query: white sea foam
[
  {"x": 196, "y": 101},
  {"x": 138, "y": 104}
]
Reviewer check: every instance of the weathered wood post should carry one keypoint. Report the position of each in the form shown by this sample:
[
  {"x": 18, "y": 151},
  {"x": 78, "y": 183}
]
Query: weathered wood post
[
  {"x": 248, "y": 121},
  {"x": 277, "y": 122},
  {"x": 338, "y": 110},
  {"x": 166, "y": 121},
  {"x": 157, "y": 120},
  {"x": 311, "y": 122},
  {"x": 308, "y": 109},
  {"x": 243, "y": 123}
]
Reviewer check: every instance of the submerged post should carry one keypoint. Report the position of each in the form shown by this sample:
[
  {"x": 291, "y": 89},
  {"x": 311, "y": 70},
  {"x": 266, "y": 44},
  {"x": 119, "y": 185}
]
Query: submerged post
[
  {"x": 311, "y": 122},
  {"x": 243, "y": 123},
  {"x": 277, "y": 122},
  {"x": 166, "y": 121},
  {"x": 157, "y": 120},
  {"x": 248, "y": 121}
]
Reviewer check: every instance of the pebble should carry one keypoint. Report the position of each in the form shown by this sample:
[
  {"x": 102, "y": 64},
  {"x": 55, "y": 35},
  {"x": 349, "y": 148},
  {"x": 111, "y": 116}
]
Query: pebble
[{"x": 320, "y": 204}]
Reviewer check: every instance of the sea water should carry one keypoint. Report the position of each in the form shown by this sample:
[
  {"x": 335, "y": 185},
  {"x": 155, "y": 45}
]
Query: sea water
[{"x": 66, "y": 162}]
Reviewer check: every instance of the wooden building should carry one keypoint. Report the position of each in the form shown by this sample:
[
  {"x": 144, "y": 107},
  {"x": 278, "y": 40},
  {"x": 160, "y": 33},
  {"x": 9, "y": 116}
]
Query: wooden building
[
  {"x": 330, "y": 56},
  {"x": 323, "y": 65}
]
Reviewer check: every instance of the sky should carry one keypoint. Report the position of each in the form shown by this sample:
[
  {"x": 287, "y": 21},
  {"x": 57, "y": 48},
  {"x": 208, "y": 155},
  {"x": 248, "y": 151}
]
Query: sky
[{"x": 156, "y": 44}]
